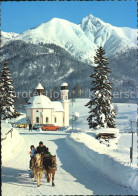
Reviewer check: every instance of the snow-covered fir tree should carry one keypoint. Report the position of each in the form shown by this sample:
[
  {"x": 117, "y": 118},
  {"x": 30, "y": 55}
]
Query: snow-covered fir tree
[
  {"x": 7, "y": 94},
  {"x": 101, "y": 112}
]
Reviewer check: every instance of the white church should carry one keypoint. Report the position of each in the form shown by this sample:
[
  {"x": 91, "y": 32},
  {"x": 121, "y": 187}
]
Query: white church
[{"x": 41, "y": 110}]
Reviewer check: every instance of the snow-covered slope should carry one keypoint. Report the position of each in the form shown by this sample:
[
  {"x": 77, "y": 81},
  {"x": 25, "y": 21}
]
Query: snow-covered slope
[
  {"x": 112, "y": 163},
  {"x": 63, "y": 33},
  {"x": 82, "y": 40},
  {"x": 6, "y": 37},
  {"x": 113, "y": 39}
]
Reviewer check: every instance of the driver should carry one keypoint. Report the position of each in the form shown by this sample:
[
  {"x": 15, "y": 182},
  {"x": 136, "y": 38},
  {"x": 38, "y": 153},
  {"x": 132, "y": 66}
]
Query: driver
[{"x": 41, "y": 149}]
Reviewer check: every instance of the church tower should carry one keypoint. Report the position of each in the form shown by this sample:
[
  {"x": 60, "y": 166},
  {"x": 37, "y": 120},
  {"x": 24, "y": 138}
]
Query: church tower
[
  {"x": 39, "y": 89},
  {"x": 65, "y": 102}
]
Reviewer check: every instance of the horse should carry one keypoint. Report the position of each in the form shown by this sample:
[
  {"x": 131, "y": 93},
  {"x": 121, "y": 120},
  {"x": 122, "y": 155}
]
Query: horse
[
  {"x": 37, "y": 168},
  {"x": 50, "y": 167}
]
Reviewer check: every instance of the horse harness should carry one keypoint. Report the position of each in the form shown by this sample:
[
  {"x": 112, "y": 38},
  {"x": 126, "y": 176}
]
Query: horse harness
[{"x": 40, "y": 168}]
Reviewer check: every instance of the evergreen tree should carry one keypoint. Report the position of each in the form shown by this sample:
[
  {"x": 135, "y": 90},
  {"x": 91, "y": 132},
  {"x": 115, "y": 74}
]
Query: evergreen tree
[
  {"x": 102, "y": 113},
  {"x": 7, "y": 94}
]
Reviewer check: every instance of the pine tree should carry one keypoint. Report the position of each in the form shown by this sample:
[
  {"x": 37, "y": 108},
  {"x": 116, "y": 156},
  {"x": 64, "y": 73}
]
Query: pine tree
[
  {"x": 101, "y": 112},
  {"x": 7, "y": 94}
]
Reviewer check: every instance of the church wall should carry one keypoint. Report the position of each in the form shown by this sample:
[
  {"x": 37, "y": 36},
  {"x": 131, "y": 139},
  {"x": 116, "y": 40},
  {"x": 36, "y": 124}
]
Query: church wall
[
  {"x": 65, "y": 104},
  {"x": 37, "y": 113},
  {"x": 47, "y": 113},
  {"x": 59, "y": 119},
  {"x": 33, "y": 113}
]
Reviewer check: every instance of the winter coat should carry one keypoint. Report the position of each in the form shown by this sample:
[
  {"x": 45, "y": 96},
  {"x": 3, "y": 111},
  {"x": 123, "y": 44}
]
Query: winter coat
[
  {"x": 49, "y": 154},
  {"x": 42, "y": 150},
  {"x": 30, "y": 126},
  {"x": 32, "y": 153}
]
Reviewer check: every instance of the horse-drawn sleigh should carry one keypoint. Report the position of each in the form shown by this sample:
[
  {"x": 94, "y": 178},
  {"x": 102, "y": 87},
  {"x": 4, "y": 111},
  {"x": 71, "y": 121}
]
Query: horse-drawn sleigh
[{"x": 43, "y": 164}]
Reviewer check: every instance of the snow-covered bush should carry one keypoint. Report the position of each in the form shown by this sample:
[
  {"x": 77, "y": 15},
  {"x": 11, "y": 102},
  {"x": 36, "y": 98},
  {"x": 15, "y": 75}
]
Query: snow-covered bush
[{"x": 76, "y": 115}]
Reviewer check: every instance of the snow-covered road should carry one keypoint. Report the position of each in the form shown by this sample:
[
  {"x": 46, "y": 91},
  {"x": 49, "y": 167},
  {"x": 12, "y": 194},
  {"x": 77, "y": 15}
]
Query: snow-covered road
[{"x": 72, "y": 177}]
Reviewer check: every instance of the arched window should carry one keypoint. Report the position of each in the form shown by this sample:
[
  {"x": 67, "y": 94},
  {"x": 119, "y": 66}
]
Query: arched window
[
  {"x": 47, "y": 120},
  {"x": 37, "y": 119},
  {"x": 55, "y": 119}
]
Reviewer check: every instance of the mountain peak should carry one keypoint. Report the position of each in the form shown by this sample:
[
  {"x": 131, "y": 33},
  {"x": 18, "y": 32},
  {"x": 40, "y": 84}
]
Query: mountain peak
[
  {"x": 81, "y": 40},
  {"x": 90, "y": 16},
  {"x": 91, "y": 20},
  {"x": 55, "y": 20}
]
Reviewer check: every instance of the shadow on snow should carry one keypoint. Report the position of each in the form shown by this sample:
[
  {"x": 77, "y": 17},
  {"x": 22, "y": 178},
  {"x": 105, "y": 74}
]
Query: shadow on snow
[{"x": 16, "y": 177}]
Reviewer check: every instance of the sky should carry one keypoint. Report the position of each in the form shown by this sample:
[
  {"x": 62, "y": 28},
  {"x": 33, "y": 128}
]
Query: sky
[{"x": 20, "y": 16}]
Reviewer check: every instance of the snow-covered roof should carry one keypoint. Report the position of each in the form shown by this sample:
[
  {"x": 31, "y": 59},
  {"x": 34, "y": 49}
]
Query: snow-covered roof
[
  {"x": 40, "y": 101},
  {"x": 64, "y": 84},
  {"x": 58, "y": 107},
  {"x": 39, "y": 86},
  {"x": 43, "y": 101}
]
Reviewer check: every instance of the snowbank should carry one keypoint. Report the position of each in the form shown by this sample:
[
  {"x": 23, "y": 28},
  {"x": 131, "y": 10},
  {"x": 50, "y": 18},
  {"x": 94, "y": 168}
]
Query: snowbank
[
  {"x": 94, "y": 154},
  {"x": 5, "y": 127},
  {"x": 19, "y": 120},
  {"x": 10, "y": 145}
]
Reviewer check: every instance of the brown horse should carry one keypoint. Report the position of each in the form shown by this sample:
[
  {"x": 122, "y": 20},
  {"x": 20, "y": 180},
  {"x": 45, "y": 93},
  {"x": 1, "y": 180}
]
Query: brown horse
[
  {"x": 37, "y": 168},
  {"x": 50, "y": 168}
]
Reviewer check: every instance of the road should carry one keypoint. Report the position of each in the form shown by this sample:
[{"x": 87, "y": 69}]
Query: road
[{"x": 72, "y": 177}]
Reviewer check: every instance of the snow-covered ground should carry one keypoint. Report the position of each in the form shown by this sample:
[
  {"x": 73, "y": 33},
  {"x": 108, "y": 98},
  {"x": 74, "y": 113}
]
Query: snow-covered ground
[
  {"x": 6, "y": 127},
  {"x": 19, "y": 120},
  {"x": 113, "y": 163},
  {"x": 74, "y": 175},
  {"x": 11, "y": 145},
  {"x": 125, "y": 113}
]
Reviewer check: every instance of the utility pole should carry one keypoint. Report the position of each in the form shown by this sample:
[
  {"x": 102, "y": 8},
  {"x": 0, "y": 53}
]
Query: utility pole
[
  {"x": 72, "y": 121},
  {"x": 132, "y": 141}
]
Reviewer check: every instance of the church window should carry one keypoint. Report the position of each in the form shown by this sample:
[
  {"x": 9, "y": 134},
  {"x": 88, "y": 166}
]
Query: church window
[{"x": 47, "y": 120}]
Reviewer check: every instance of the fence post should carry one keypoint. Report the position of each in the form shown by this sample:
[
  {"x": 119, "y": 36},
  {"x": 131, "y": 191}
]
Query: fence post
[
  {"x": 132, "y": 147},
  {"x": 11, "y": 132}
]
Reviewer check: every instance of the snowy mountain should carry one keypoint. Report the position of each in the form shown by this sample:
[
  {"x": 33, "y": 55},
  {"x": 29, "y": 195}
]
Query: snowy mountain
[
  {"x": 54, "y": 65},
  {"x": 82, "y": 40},
  {"x": 31, "y": 55}
]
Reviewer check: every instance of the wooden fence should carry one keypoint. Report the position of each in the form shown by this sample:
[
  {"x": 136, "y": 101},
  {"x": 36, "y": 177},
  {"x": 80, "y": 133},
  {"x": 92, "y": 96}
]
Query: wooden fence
[{"x": 7, "y": 134}]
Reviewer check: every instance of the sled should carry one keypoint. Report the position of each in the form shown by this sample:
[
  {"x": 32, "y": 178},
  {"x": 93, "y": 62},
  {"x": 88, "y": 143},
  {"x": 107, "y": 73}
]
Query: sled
[{"x": 106, "y": 136}]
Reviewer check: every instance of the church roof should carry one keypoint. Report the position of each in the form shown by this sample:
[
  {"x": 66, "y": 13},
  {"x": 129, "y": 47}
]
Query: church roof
[
  {"x": 64, "y": 84},
  {"x": 40, "y": 101},
  {"x": 39, "y": 87},
  {"x": 43, "y": 101},
  {"x": 58, "y": 107}
]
